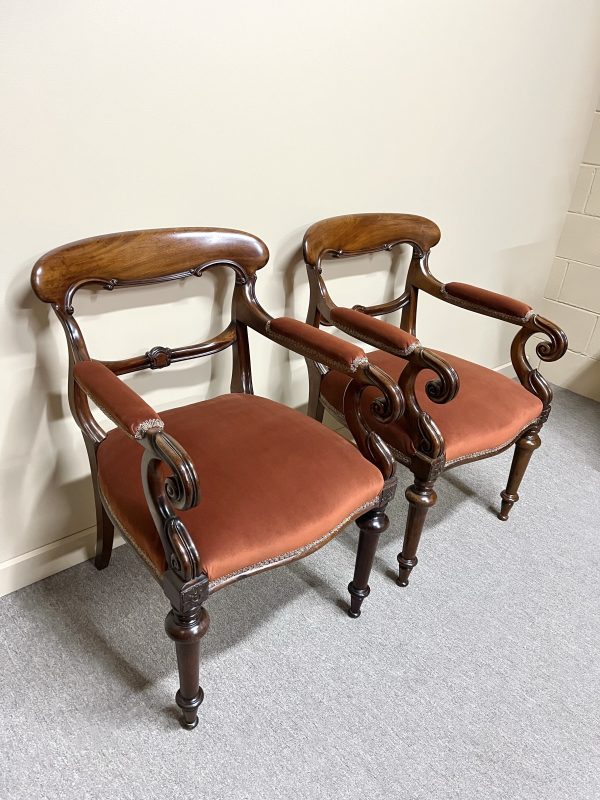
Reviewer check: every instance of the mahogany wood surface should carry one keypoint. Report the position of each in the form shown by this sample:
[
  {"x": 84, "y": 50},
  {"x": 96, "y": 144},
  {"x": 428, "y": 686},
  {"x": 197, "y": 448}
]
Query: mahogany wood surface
[
  {"x": 344, "y": 236},
  {"x": 168, "y": 474}
]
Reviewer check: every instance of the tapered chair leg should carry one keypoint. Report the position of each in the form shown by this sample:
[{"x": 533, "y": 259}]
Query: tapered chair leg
[
  {"x": 315, "y": 407},
  {"x": 186, "y": 630},
  {"x": 105, "y": 534},
  {"x": 524, "y": 448},
  {"x": 421, "y": 498},
  {"x": 372, "y": 525}
]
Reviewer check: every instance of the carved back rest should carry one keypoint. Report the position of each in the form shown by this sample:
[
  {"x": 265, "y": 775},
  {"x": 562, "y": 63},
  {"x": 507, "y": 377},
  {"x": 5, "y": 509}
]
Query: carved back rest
[
  {"x": 137, "y": 258},
  {"x": 359, "y": 234}
]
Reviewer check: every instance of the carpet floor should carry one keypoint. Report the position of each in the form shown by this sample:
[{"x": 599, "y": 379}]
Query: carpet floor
[{"x": 481, "y": 680}]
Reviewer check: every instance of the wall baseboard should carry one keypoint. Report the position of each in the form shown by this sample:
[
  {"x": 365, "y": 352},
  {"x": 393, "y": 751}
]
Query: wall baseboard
[
  {"x": 506, "y": 369},
  {"x": 47, "y": 560}
]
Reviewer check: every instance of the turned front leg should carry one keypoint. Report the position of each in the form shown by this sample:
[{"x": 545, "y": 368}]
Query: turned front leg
[
  {"x": 524, "y": 448},
  {"x": 186, "y": 630},
  {"x": 372, "y": 524},
  {"x": 421, "y": 498}
]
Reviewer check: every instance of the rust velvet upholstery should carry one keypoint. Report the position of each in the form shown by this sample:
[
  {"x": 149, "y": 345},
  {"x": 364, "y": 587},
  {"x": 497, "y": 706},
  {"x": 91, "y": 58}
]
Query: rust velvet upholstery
[
  {"x": 489, "y": 300},
  {"x": 272, "y": 481},
  {"x": 118, "y": 401},
  {"x": 318, "y": 344},
  {"x": 372, "y": 330},
  {"x": 488, "y": 411}
]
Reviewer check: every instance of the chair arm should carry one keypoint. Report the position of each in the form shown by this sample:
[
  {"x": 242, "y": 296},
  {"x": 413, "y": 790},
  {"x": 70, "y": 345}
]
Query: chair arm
[
  {"x": 485, "y": 302},
  {"x": 518, "y": 313},
  {"x": 316, "y": 344},
  {"x": 374, "y": 331},
  {"x": 117, "y": 400},
  {"x": 178, "y": 488}
]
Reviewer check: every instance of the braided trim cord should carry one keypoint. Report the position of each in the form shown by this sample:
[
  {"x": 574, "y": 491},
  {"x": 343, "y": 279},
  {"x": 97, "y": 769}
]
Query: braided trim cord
[
  {"x": 316, "y": 355},
  {"x": 456, "y": 301}
]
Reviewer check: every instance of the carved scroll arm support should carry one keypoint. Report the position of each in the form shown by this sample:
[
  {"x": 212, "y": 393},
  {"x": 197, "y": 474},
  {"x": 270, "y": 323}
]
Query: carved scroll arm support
[
  {"x": 551, "y": 349},
  {"x": 427, "y": 438},
  {"x": 499, "y": 306},
  {"x": 168, "y": 474}
]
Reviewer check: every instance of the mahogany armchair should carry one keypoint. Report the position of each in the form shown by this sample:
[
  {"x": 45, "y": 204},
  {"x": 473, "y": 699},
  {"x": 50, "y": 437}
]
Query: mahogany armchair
[
  {"x": 215, "y": 491},
  {"x": 440, "y": 427}
]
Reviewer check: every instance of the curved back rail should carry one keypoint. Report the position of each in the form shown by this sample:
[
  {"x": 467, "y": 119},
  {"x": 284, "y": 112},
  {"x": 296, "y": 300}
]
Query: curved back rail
[
  {"x": 138, "y": 258},
  {"x": 360, "y": 234}
]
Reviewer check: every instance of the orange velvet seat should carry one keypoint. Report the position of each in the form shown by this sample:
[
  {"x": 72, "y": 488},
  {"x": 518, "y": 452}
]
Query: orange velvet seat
[
  {"x": 273, "y": 483},
  {"x": 487, "y": 413}
]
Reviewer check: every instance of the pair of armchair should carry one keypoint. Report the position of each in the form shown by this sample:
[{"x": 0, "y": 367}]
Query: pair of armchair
[{"x": 216, "y": 491}]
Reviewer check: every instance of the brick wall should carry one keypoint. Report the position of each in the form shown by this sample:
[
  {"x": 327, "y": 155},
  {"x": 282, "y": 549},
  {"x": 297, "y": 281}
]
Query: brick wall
[{"x": 573, "y": 290}]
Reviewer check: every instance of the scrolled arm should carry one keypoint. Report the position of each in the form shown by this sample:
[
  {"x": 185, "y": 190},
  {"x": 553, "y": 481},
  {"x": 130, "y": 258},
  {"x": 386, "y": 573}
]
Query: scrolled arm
[
  {"x": 514, "y": 311},
  {"x": 178, "y": 489},
  {"x": 427, "y": 438},
  {"x": 549, "y": 350}
]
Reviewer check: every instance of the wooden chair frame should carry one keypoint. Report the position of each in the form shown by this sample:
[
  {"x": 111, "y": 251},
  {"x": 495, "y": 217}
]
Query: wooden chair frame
[
  {"x": 155, "y": 256},
  {"x": 361, "y": 234}
]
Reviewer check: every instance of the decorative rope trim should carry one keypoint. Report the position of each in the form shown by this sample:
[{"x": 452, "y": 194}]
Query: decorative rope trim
[
  {"x": 387, "y": 346},
  {"x": 142, "y": 428},
  {"x": 488, "y": 311},
  {"x": 299, "y": 552},
  {"x": 491, "y": 450},
  {"x": 316, "y": 355},
  {"x": 406, "y": 459}
]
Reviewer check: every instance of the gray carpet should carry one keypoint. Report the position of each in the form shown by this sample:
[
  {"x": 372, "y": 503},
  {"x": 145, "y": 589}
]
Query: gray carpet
[{"x": 481, "y": 680}]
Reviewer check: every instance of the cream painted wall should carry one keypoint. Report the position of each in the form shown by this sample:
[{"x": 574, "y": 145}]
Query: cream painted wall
[{"x": 264, "y": 116}]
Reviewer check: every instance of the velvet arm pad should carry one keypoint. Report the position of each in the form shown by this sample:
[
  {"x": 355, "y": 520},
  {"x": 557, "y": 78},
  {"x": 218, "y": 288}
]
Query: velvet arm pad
[
  {"x": 117, "y": 400},
  {"x": 317, "y": 344},
  {"x": 497, "y": 303},
  {"x": 374, "y": 331}
]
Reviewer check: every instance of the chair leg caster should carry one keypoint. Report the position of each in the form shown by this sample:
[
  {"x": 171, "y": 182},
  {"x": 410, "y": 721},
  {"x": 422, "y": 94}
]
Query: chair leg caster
[
  {"x": 405, "y": 567},
  {"x": 356, "y": 598},
  {"x": 189, "y": 709}
]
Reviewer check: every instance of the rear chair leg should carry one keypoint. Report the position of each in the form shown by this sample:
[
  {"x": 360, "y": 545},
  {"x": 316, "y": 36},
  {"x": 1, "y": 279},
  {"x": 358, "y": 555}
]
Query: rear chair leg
[
  {"x": 315, "y": 407},
  {"x": 421, "y": 498},
  {"x": 186, "y": 630},
  {"x": 105, "y": 533},
  {"x": 524, "y": 448}
]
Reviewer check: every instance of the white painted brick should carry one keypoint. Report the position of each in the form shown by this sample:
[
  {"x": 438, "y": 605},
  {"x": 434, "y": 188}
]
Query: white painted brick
[
  {"x": 555, "y": 279},
  {"x": 592, "y": 151},
  {"x": 580, "y": 240},
  {"x": 593, "y": 202},
  {"x": 576, "y": 323},
  {"x": 581, "y": 287},
  {"x": 576, "y": 372},
  {"x": 582, "y": 188},
  {"x": 593, "y": 348}
]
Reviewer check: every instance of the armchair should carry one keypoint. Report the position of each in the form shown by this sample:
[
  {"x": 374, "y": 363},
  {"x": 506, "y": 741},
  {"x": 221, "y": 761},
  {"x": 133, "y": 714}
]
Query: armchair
[
  {"x": 215, "y": 491},
  {"x": 441, "y": 425}
]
